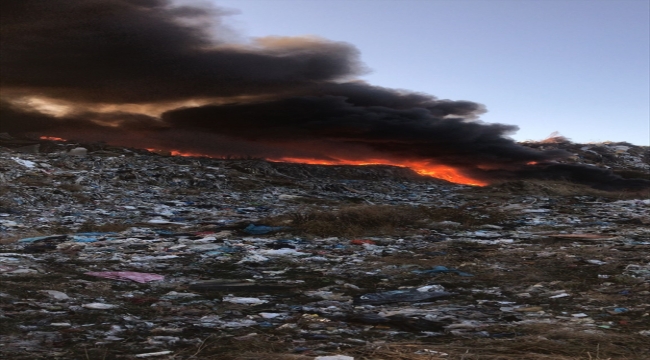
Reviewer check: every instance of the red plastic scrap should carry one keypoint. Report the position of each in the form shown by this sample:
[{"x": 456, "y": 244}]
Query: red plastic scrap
[
  {"x": 127, "y": 275},
  {"x": 361, "y": 242}
]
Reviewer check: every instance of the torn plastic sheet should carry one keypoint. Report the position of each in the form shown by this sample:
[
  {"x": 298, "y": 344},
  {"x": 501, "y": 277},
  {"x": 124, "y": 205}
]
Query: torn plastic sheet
[
  {"x": 405, "y": 295},
  {"x": 127, "y": 275},
  {"x": 442, "y": 270},
  {"x": 262, "y": 229},
  {"x": 41, "y": 238}
]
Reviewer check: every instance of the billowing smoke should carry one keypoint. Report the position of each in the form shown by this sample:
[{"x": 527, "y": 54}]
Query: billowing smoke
[
  {"x": 220, "y": 94},
  {"x": 131, "y": 51}
]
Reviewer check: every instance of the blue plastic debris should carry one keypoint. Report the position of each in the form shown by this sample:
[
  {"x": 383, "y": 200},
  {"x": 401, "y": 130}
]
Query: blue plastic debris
[
  {"x": 41, "y": 238},
  {"x": 84, "y": 239},
  {"x": 442, "y": 270},
  {"x": 88, "y": 237},
  {"x": 262, "y": 229},
  {"x": 96, "y": 234}
]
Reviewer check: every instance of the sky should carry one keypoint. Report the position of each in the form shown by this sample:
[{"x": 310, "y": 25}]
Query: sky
[{"x": 579, "y": 67}]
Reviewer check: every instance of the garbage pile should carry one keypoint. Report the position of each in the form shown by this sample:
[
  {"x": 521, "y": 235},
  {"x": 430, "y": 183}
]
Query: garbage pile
[
  {"x": 125, "y": 254},
  {"x": 621, "y": 157}
]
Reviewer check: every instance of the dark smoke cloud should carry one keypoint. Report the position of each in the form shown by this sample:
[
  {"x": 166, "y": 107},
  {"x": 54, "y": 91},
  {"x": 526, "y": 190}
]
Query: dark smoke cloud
[
  {"x": 420, "y": 131},
  {"x": 148, "y": 50},
  {"x": 269, "y": 97}
]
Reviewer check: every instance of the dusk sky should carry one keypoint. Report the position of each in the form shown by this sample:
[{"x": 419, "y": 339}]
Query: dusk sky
[{"x": 580, "y": 67}]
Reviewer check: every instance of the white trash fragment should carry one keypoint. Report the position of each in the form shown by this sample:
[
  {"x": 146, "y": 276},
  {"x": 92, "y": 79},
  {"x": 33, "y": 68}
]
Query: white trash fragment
[
  {"x": 23, "y": 272},
  {"x": 164, "y": 222},
  {"x": 174, "y": 295},
  {"x": 431, "y": 288},
  {"x": 159, "y": 353},
  {"x": 282, "y": 252},
  {"x": 244, "y": 300},
  {"x": 238, "y": 324},
  {"x": 78, "y": 151},
  {"x": 596, "y": 262},
  {"x": 579, "y": 315},
  {"x": 431, "y": 352},
  {"x": 269, "y": 315},
  {"x": 25, "y": 163},
  {"x": 559, "y": 296},
  {"x": 255, "y": 258},
  {"x": 334, "y": 357},
  {"x": 57, "y": 295},
  {"x": 99, "y": 306}
]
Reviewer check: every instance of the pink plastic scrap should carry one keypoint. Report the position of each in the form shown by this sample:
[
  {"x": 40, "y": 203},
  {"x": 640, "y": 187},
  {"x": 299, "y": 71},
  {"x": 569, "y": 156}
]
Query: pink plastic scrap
[{"x": 127, "y": 275}]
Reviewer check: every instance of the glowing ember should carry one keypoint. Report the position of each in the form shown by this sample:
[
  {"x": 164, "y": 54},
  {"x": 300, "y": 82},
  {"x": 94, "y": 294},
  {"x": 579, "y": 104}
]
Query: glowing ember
[
  {"x": 531, "y": 163},
  {"x": 421, "y": 167},
  {"x": 53, "y": 138},
  {"x": 175, "y": 153},
  {"x": 186, "y": 154}
]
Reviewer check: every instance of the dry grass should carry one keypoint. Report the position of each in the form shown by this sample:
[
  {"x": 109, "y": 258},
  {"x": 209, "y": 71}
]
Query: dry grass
[
  {"x": 543, "y": 341},
  {"x": 354, "y": 220},
  {"x": 371, "y": 220},
  {"x": 71, "y": 187},
  {"x": 555, "y": 188},
  {"x": 535, "y": 342}
]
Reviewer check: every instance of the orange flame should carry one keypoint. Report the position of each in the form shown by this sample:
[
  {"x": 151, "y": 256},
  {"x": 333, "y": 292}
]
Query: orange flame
[
  {"x": 531, "y": 163},
  {"x": 53, "y": 138},
  {"x": 421, "y": 167}
]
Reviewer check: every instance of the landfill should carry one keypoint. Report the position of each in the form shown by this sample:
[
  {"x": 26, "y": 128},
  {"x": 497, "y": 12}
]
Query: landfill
[{"x": 116, "y": 253}]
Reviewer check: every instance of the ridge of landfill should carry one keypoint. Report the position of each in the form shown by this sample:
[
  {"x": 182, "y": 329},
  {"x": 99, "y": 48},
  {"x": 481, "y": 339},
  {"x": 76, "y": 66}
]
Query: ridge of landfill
[{"x": 116, "y": 253}]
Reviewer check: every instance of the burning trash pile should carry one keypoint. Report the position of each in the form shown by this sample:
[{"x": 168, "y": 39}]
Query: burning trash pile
[
  {"x": 117, "y": 253},
  {"x": 279, "y": 207}
]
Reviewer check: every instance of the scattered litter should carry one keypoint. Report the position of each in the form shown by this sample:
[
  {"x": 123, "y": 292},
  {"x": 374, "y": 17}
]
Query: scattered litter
[
  {"x": 596, "y": 262},
  {"x": 61, "y": 324},
  {"x": 442, "y": 270},
  {"x": 559, "y": 296},
  {"x": 57, "y": 295},
  {"x": 404, "y": 295},
  {"x": 205, "y": 236},
  {"x": 99, "y": 306},
  {"x": 262, "y": 229},
  {"x": 244, "y": 300},
  {"x": 127, "y": 275},
  {"x": 153, "y": 354},
  {"x": 431, "y": 352},
  {"x": 582, "y": 236}
]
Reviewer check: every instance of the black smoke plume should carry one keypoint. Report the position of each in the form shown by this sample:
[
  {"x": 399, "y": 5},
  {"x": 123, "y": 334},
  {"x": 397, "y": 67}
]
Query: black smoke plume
[{"x": 267, "y": 97}]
